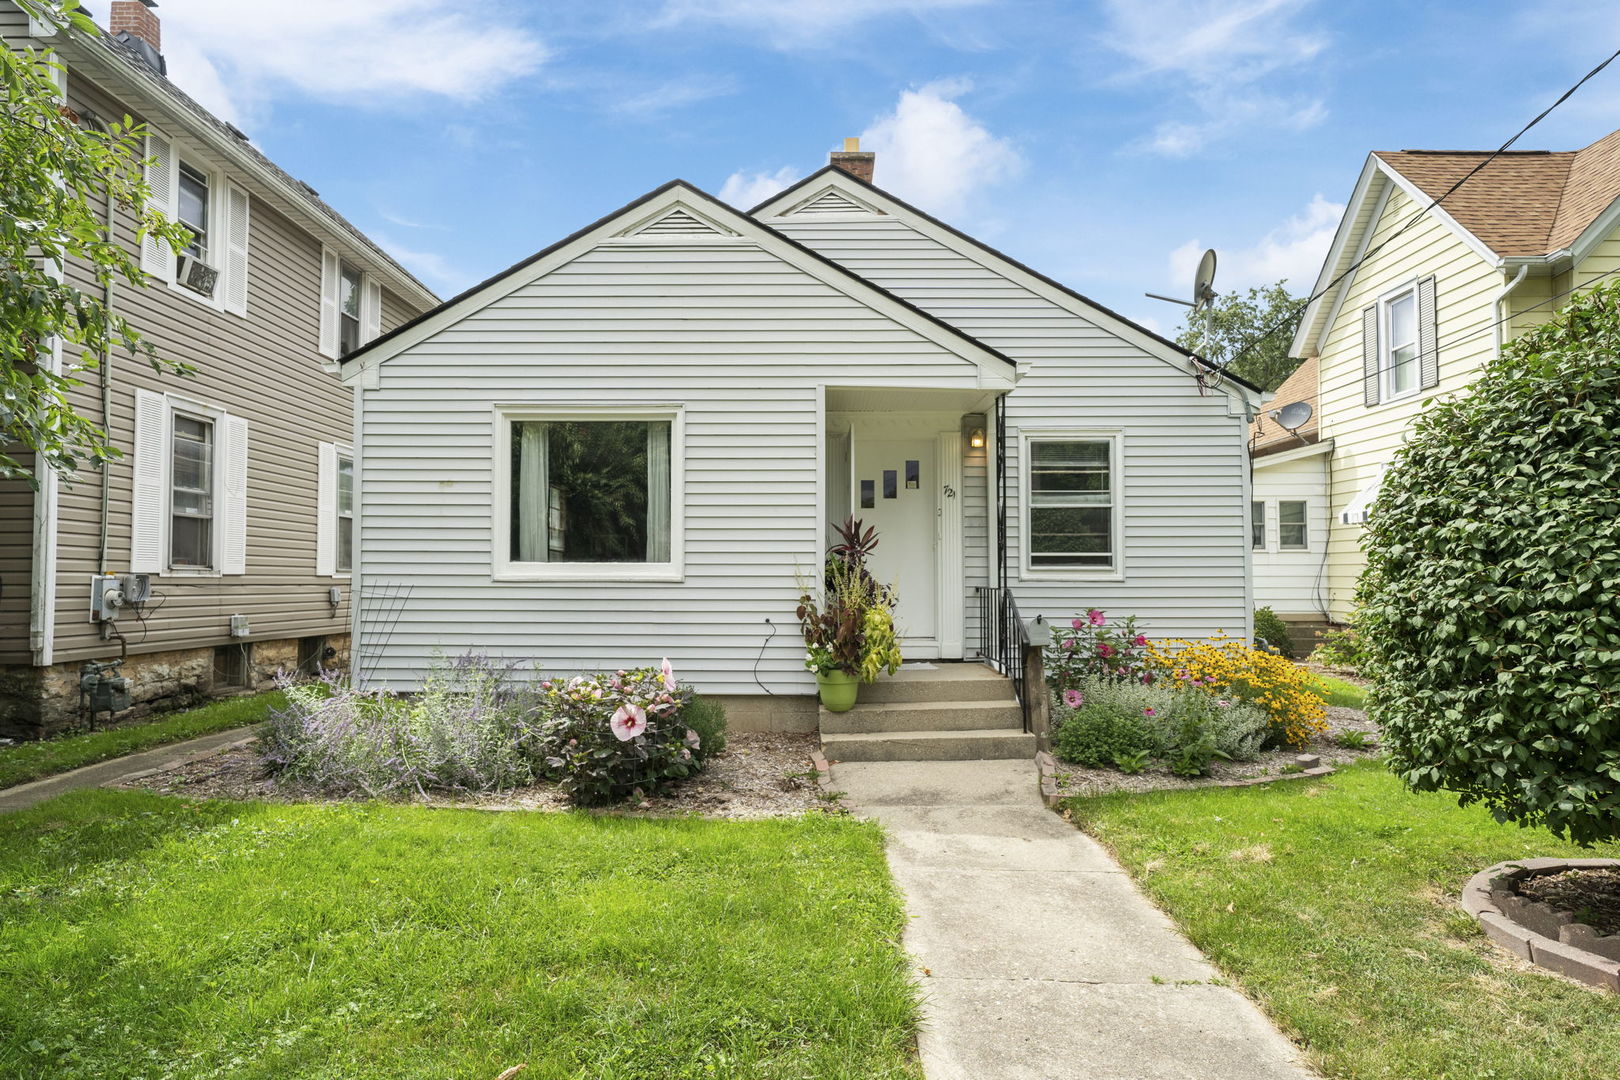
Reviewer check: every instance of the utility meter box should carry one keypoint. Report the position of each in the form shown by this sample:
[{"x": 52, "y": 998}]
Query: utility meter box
[{"x": 112, "y": 594}]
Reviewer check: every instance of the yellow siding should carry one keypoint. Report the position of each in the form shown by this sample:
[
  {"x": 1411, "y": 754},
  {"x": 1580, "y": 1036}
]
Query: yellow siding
[{"x": 1367, "y": 437}]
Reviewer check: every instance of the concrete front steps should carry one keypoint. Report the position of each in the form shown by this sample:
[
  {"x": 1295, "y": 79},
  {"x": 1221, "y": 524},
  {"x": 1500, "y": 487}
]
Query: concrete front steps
[{"x": 930, "y": 712}]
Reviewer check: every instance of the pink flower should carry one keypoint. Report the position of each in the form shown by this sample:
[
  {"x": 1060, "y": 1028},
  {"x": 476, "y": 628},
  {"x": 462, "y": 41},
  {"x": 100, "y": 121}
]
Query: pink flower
[
  {"x": 1139, "y": 639},
  {"x": 1096, "y": 618},
  {"x": 628, "y": 722},
  {"x": 1105, "y": 650},
  {"x": 1223, "y": 703},
  {"x": 1147, "y": 678},
  {"x": 1149, "y": 712},
  {"x": 1078, "y": 625},
  {"x": 1073, "y": 699},
  {"x": 669, "y": 675}
]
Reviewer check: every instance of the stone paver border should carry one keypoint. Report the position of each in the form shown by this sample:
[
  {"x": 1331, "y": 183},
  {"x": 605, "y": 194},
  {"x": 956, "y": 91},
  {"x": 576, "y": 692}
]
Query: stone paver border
[
  {"x": 1310, "y": 765},
  {"x": 1538, "y": 933}
]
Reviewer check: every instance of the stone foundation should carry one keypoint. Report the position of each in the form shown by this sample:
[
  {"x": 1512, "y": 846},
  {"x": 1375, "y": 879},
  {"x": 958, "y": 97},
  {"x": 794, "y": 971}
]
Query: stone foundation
[{"x": 37, "y": 702}]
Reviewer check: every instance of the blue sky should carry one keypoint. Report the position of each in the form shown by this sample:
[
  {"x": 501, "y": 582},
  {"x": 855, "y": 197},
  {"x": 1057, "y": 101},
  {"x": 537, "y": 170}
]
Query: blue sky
[{"x": 1105, "y": 143}]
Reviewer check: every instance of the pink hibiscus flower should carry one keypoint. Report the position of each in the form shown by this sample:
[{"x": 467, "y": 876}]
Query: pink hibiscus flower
[
  {"x": 1073, "y": 699},
  {"x": 1139, "y": 639},
  {"x": 628, "y": 722},
  {"x": 1096, "y": 618},
  {"x": 1149, "y": 712},
  {"x": 1078, "y": 624},
  {"x": 669, "y": 675},
  {"x": 1105, "y": 650}
]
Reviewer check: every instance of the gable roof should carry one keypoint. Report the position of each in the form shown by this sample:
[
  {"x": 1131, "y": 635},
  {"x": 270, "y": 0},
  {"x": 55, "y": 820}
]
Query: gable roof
[
  {"x": 684, "y": 204},
  {"x": 1267, "y": 436},
  {"x": 794, "y": 195},
  {"x": 1538, "y": 205}
]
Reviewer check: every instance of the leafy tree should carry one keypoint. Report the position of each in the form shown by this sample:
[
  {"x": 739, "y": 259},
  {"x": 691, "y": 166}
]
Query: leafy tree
[
  {"x": 1239, "y": 321},
  {"x": 54, "y": 177},
  {"x": 1491, "y": 601}
]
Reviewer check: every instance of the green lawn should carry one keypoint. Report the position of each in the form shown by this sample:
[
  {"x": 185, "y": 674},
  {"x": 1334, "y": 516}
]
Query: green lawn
[
  {"x": 1338, "y": 692},
  {"x": 33, "y": 760},
  {"x": 1334, "y": 904},
  {"x": 150, "y": 937}
]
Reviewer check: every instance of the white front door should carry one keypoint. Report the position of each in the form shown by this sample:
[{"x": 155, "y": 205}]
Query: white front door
[{"x": 896, "y": 489}]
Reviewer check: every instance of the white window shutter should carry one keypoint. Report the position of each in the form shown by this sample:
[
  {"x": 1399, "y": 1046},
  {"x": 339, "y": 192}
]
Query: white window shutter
[
  {"x": 233, "y": 508},
  {"x": 162, "y": 177},
  {"x": 330, "y": 269},
  {"x": 235, "y": 270},
  {"x": 370, "y": 310},
  {"x": 326, "y": 509},
  {"x": 149, "y": 507},
  {"x": 1428, "y": 335}
]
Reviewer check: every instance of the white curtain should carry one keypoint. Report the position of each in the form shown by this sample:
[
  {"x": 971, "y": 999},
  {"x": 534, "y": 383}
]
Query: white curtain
[
  {"x": 658, "y": 494},
  {"x": 534, "y": 481}
]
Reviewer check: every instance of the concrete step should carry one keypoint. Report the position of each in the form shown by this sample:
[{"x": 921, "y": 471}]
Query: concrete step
[
  {"x": 996, "y": 743},
  {"x": 938, "y": 682},
  {"x": 925, "y": 716}
]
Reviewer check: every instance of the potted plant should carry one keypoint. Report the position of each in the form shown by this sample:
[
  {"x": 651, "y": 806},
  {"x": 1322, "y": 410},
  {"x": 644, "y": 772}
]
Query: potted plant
[{"x": 849, "y": 637}]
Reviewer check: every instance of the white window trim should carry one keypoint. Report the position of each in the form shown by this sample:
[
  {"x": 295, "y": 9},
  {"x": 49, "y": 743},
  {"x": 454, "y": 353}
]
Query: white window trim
[
  {"x": 1386, "y": 371},
  {"x": 1309, "y": 532},
  {"x": 1116, "y": 440},
  {"x": 344, "y": 450},
  {"x": 1264, "y": 545},
  {"x": 326, "y": 500},
  {"x": 217, "y": 209},
  {"x": 330, "y": 290},
  {"x": 215, "y": 416},
  {"x": 503, "y": 568}
]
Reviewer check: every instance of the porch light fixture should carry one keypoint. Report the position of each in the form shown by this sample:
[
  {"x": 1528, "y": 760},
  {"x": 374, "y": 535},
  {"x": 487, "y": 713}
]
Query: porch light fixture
[{"x": 973, "y": 424}]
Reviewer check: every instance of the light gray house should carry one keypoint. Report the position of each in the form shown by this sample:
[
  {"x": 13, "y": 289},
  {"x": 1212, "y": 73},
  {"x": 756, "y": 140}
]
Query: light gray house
[
  {"x": 632, "y": 444},
  {"x": 230, "y": 496}
]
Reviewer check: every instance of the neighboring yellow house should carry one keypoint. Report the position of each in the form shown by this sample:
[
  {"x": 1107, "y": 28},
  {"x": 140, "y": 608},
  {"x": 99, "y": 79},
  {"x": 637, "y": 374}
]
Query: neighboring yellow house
[{"x": 1434, "y": 300}]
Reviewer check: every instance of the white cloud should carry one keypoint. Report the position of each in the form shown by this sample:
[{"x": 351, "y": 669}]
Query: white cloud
[
  {"x": 360, "y": 51},
  {"x": 931, "y": 152},
  {"x": 433, "y": 268},
  {"x": 1215, "y": 56},
  {"x": 675, "y": 94},
  {"x": 792, "y": 23},
  {"x": 1293, "y": 251},
  {"x": 746, "y": 190}
]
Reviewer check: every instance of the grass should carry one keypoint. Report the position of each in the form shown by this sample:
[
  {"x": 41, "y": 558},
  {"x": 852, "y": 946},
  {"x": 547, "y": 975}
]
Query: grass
[
  {"x": 47, "y": 757},
  {"x": 1334, "y": 904},
  {"x": 154, "y": 937},
  {"x": 1338, "y": 692}
]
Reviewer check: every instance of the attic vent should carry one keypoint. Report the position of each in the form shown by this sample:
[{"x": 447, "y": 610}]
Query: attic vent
[
  {"x": 832, "y": 202},
  {"x": 678, "y": 222}
]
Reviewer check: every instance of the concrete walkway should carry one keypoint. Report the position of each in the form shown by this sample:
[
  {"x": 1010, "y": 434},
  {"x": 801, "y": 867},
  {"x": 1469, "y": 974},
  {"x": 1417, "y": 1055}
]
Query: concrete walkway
[
  {"x": 104, "y": 772},
  {"x": 1038, "y": 958}
]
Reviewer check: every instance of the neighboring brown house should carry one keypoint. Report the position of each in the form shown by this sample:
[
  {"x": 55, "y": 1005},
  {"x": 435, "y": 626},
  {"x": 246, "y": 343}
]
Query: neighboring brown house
[{"x": 233, "y": 494}]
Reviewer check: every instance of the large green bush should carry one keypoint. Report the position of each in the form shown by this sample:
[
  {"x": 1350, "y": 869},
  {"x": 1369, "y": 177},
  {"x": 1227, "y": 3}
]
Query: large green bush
[
  {"x": 1491, "y": 601},
  {"x": 1270, "y": 632}
]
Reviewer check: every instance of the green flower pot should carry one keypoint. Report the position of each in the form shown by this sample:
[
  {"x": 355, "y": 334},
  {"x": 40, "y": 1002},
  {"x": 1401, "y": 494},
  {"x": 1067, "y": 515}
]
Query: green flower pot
[{"x": 838, "y": 689}]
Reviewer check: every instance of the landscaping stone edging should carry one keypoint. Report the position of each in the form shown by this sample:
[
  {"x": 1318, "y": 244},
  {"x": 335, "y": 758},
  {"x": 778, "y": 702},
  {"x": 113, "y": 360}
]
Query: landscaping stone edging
[
  {"x": 818, "y": 761},
  {"x": 1311, "y": 768},
  {"x": 1538, "y": 933}
]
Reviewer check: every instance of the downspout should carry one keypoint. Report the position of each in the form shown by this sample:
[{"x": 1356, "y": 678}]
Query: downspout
[
  {"x": 106, "y": 395},
  {"x": 1501, "y": 297}
]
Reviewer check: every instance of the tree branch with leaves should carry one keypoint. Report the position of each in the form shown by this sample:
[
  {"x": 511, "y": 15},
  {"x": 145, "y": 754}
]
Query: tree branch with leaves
[
  {"x": 1238, "y": 337},
  {"x": 54, "y": 173}
]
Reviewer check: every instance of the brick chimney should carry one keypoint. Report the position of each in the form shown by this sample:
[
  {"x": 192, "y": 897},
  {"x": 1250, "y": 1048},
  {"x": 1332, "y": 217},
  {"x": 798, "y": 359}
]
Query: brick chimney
[
  {"x": 137, "y": 19},
  {"x": 853, "y": 160}
]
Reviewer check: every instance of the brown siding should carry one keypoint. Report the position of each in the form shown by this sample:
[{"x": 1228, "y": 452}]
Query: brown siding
[
  {"x": 16, "y": 565},
  {"x": 265, "y": 368}
]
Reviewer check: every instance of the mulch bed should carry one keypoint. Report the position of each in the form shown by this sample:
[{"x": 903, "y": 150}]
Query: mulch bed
[
  {"x": 759, "y": 775},
  {"x": 1592, "y": 896},
  {"x": 1075, "y": 780}
]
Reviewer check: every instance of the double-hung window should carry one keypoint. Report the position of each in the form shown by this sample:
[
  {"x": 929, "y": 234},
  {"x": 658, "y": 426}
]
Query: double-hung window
[
  {"x": 345, "y": 513},
  {"x": 191, "y": 495},
  {"x": 192, "y": 210},
  {"x": 351, "y": 306},
  {"x": 213, "y": 267},
  {"x": 1072, "y": 496},
  {"x": 1399, "y": 362},
  {"x": 1292, "y": 530},
  {"x": 1257, "y": 526},
  {"x": 589, "y": 494},
  {"x": 334, "y": 493},
  {"x": 348, "y": 309}
]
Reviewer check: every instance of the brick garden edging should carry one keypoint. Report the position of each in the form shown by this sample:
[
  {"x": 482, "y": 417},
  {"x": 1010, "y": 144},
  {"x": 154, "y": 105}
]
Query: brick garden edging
[
  {"x": 1311, "y": 767},
  {"x": 1539, "y": 933}
]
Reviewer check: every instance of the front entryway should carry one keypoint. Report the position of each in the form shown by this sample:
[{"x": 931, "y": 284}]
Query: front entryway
[{"x": 897, "y": 491}]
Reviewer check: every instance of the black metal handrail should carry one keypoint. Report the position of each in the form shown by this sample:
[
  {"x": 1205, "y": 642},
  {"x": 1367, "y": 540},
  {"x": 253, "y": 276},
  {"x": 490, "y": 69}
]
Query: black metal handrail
[{"x": 1004, "y": 640}]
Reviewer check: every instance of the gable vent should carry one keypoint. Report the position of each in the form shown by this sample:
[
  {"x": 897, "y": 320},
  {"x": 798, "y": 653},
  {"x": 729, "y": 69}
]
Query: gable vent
[
  {"x": 678, "y": 222},
  {"x": 832, "y": 202}
]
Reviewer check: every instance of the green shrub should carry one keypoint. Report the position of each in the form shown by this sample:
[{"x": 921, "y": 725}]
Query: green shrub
[
  {"x": 1340, "y": 648},
  {"x": 1491, "y": 600},
  {"x": 1270, "y": 632},
  {"x": 1351, "y": 739},
  {"x": 1099, "y": 735},
  {"x": 1106, "y": 722},
  {"x": 707, "y": 717}
]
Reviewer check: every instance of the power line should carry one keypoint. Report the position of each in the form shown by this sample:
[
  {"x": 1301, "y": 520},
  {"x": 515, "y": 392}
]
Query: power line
[{"x": 1324, "y": 290}]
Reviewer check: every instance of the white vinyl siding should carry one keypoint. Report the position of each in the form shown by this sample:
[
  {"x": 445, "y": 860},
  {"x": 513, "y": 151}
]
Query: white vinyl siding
[
  {"x": 742, "y": 342},
  {"x": 1289, "y": 580},
  {"x": 1183, "y": 558},
  {"x": 189, "y": 512}
]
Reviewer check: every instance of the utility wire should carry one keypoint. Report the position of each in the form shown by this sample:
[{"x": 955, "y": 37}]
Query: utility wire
[{"x": 1324, "y": 290}]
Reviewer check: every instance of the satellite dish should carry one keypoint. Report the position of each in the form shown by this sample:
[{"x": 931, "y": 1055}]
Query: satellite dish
[
  {"x": 1204, "y": 280},
  {"x": 1293, "y": 416}
]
